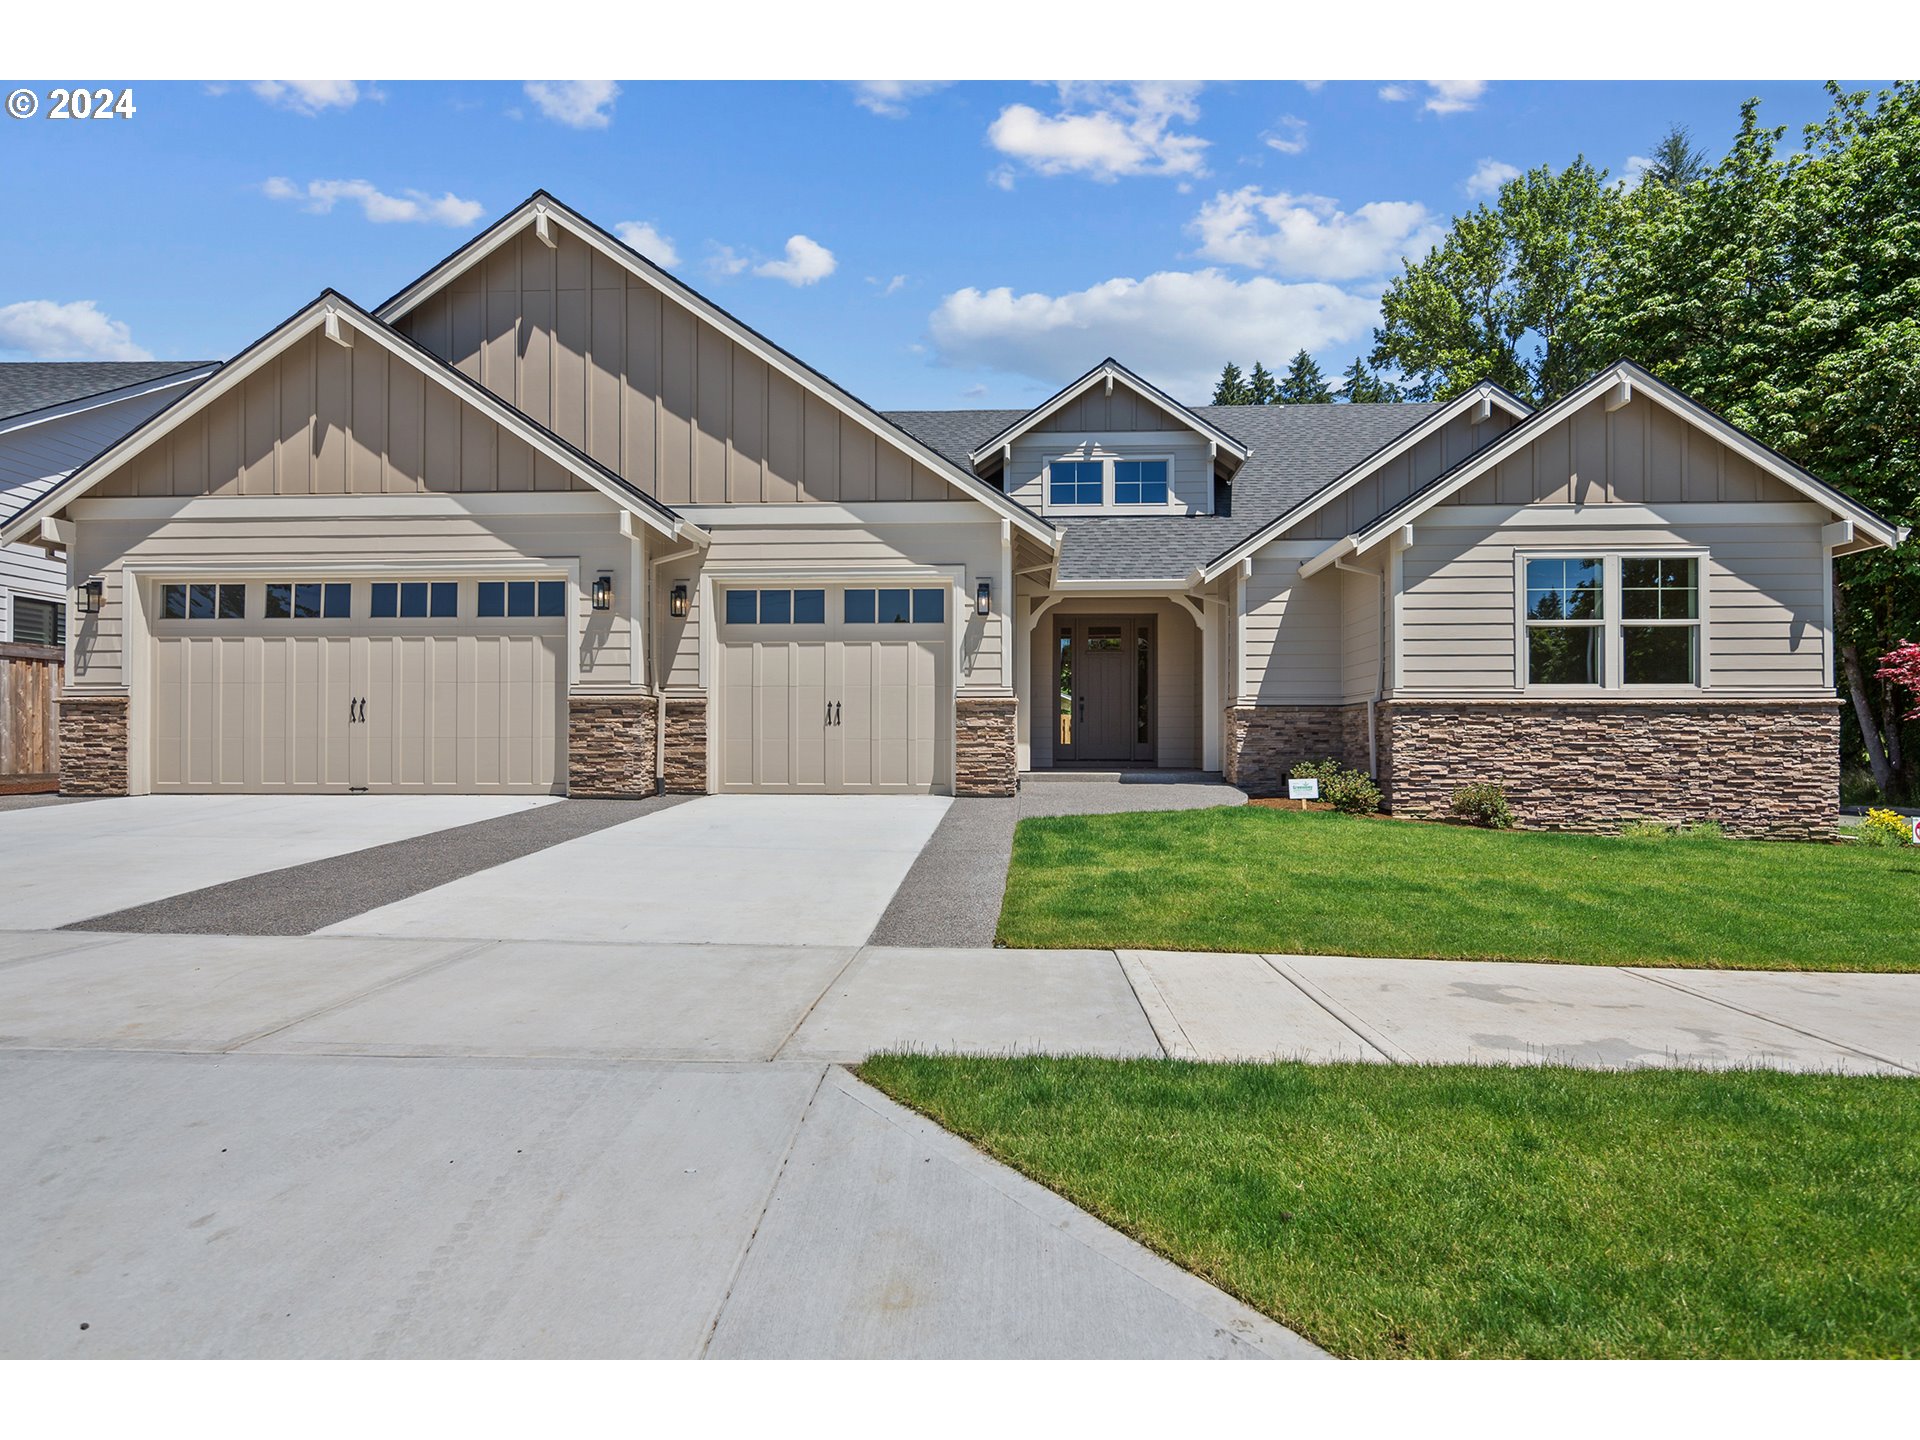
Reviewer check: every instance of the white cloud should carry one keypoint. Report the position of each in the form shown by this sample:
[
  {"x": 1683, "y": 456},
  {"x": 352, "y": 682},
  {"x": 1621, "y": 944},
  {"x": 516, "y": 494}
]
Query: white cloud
[
  {"x": 1288, "y": 136},
  {"x": 888, "y": 287},
  {"x": 581, "y": 104},
  {"x": 77, "y": 330},
  {"x": 892, "y": 97},
  {"x": 1001, "y": 178},
  {"x": 645, "y": 236},
  {"x": 1443, "y": 97},
  {"x": 1634, "y": 172},
  {"x": 1450, "y": 97},
  {"x": 1175, "y": 327},
  {"x": 310, "y": 97},
  {"x": 416, "y": 207},
  {"x": 1311, "y": 236},
  {"x": 725, "y": 260},
  {"x": 807, "y": 262},
  {"x": 1106, "y": 131},
  {"x": 1489, "y": 176}
]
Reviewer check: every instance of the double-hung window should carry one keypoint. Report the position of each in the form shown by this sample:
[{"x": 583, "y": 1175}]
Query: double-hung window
[
  {"x": 1566, "y": 621},
  {"x": 1612, "y": 621},
  {"x": 1077, "y": 482}
]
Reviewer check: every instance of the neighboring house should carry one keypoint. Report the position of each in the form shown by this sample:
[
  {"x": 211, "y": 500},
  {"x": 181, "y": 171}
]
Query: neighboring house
[
  {"x": 53, "y": 418},
  {"x": 548, "y": 520}
]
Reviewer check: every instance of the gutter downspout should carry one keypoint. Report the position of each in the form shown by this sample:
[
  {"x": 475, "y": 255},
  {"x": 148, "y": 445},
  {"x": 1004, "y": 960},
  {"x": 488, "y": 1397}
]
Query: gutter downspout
[
  {"x": 653, "y": 665},
  {"x": 1379, "y": 672}
]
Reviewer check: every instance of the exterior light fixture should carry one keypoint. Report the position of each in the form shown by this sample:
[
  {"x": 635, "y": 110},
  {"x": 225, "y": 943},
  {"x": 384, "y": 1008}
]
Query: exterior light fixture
[
  {"x": 983, "y": 598},
  {"x": 603, "y": 591},
  {"x": 90, "y": 595},
  {"x": 677, "y": 600}
]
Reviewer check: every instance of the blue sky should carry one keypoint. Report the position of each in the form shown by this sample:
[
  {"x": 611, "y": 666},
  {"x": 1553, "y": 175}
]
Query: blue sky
[{"x": 972, "y": 244}]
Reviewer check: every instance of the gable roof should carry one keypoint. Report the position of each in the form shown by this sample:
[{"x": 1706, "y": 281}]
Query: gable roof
[
  {"x": 1437, "y": 418},
  {"x": 1637, "y": 381},
  {"x": 1107, "y": 372},
  {"x": 28, "y": 387},
  {"x": 1295, "y": 452},
  {"x": 328, "y": 309},
  {"x": 542, "y": 210}
]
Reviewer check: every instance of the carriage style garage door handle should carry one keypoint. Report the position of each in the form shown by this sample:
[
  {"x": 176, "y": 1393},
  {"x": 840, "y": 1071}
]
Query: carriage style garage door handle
[
  {"x": 357, "y": 711},
  {"x": 833, "y": 713}
]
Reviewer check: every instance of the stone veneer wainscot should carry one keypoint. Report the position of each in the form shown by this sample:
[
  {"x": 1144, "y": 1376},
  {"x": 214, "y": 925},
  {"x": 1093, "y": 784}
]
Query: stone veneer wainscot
[
  {"x": 686, "y": 745},
  {"x": 610, "y": 746},
  {"x": 93, "y": 744},
  {"x": 985, "y": 754}
]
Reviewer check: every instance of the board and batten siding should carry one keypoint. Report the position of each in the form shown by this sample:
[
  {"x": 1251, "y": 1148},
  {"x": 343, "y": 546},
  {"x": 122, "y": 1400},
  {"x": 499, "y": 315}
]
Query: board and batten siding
[
  {"x": 321, "y": 419},
  {"x": 646, "y": 387},
  {"x": 36, "y": 457},
  {"x": 754, "y": 551},
  {"x": 394, "y": 542},
  {"x": 1190, "y": 484},
  {"x": 1398, "y": 478},
  {"x": 1098, "y": 411}
]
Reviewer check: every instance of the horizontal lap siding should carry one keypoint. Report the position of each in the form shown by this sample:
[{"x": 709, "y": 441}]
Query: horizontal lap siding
[
  {"x": 1765, "y": 601},
  {"x": 1360, "y": 630},
  {"x": 649, "y": 389},
  {"x": 394, "y": 542},
  {"x": 1294, "y": 633}
]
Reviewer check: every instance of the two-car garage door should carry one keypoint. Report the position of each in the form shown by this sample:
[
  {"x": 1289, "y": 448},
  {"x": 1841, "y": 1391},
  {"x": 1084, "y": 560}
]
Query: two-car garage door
[
  {"x": 834, "y": 690},
  {"x": 450, "y": 685}
]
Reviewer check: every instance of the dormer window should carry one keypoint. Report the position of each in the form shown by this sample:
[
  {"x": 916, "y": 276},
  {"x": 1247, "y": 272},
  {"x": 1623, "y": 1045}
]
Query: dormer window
[
  {"x": 1077, "y": 482},
  {"x": 1139, "y": 482}
]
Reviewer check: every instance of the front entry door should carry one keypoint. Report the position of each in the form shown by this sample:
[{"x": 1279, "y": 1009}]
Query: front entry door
[{"x": 1106, "y": 686}]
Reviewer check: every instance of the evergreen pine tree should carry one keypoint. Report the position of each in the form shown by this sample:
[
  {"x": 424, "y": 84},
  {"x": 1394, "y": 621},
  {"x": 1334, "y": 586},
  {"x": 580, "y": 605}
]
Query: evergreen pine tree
[
  {"x": 1303, "y": 383},
  {"x": 1232, "y": 389},
  {"x": 1262, "y": 389},
  {"x": 1364, "y": 385},
  {"x": 1676, "y": 164}
]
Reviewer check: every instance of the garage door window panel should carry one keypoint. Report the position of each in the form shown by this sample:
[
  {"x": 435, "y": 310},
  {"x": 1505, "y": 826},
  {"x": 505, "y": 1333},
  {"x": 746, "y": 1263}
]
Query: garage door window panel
[{"x": 203, "y": 602}]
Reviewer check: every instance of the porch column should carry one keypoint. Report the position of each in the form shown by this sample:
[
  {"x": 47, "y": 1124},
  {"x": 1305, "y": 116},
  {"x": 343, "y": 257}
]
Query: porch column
[
  {"x": 1022, "y": 635},
  {"x": 1214, "y": 616}
]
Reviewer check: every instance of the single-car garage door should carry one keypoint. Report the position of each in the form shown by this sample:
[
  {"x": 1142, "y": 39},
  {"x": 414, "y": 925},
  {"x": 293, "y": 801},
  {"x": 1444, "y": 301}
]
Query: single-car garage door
[
  {"x": 834, "y": 690},
  {"x": 451, "y": 685}
]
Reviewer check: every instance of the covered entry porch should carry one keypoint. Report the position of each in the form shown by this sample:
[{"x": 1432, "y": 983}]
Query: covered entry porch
[{"x": 1120, "y": 679}]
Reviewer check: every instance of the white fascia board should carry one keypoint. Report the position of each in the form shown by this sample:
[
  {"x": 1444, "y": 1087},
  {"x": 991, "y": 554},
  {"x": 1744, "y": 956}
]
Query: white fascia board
[
  {"x": 1337, "y": 551},
  {"x": 1643, "y": 383},
  {"x": 1483, "y": 394},
  {"x": 277, "y": 343},
  {"x": 511, "y": 225},
  {"x": 106, "y": 397},
  {"x": 1170, "y": 586},
  {"x": 1108, "y": 371}
]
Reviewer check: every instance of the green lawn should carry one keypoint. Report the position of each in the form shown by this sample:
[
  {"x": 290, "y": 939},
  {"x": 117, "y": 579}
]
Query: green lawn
[
  {"x": 1466, "y": 1211},
  {"x": 1257, "y": 879}
]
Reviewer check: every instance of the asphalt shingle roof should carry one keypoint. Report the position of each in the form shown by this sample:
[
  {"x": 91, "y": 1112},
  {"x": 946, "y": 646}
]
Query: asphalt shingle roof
[
  {"x": 27, "y": 385},
  {"x": 1297, "y": 450}
]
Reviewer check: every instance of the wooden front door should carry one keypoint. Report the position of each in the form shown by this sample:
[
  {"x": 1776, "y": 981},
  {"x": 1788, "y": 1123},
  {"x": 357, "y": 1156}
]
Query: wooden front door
[{"x": 1105, "y": 682}]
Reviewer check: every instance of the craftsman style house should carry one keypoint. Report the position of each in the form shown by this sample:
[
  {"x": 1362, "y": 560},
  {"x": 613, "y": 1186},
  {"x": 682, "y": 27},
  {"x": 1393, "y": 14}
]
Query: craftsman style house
[{"x": 550, "y": 521}]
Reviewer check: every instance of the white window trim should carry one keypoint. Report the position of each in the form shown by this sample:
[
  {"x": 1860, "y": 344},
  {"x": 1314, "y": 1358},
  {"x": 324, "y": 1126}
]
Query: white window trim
[
  {"x": 1613, "y": 653},
  {"x": 1108, "y": 505}
]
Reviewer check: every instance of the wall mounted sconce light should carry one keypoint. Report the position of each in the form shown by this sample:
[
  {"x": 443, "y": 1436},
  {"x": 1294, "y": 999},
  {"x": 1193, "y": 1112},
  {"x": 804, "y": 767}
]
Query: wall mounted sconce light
[
  {"x": 603, "y": 591},
  {"x": 677, "y": 600},
  {"x": 91, "y": 594},
  {"x": 983, "y": 599}
]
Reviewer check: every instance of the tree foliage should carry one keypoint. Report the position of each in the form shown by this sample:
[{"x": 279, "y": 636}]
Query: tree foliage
[
  {"x": 1492, "y": 300},
  {"x": 1303, "y": 384},
  {"x": 1262, "y": 388},
  {"x": 1231, "y": 388},
  {"x": 1365, "y": 386},
  {"x": 1676, "y": 163}
]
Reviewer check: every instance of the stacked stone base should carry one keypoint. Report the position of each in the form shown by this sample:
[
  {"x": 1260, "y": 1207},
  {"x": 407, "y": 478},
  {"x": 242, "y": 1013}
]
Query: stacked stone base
[
  {"x": 1759, "y": 768},
  {"x": 610, "y": 746},
  {"x": 93, "y": 744},
  {"x": 685, "y": 742},
  {"x": 1264, "y": 742},
  {"x": 985, "y": 752}
]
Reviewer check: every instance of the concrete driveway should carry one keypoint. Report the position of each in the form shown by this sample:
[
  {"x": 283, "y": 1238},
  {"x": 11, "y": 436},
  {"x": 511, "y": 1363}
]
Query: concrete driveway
[
  {"x": 718, "y": 870},
  {"x": 64, "y": 863}
]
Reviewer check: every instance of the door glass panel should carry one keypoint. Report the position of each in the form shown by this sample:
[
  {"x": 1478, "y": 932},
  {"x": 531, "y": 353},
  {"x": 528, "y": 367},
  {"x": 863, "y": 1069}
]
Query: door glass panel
[
  {"x": 233, "y": 602},
  {"x": 809, "y": 607},
  {"x": 173, "y": 601},
  {"x": 859, "y": 607},
  {"x": 1143, "y": 694},
  {"x": 1103, "y": 637},
  {"x": 929, "y": 607},
  {"x": 385, "y": 600},
  {"x": 895, "y": 608},
  {"x": 741, "y": 607},
  {"x": 413, "y": 600},
  {"x": 492, "y": 599},
  {"x": 444, "y": 603},
  {"x": 306, "y": 601},
  {"x": 201, "y": 604},
  {"x": 520, "y": 598},
  {"x": 553, "y": 598},
  {"x": 1064, "y": 665},
  {"x": 335, "y": 604},
  {"x": 776, "y": 607}
]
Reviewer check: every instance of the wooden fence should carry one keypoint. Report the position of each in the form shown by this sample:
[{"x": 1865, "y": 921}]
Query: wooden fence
[{"x": 29, "y": 717}]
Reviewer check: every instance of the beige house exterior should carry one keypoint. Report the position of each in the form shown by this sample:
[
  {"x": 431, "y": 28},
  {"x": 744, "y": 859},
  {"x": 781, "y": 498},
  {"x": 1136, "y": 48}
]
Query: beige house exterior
[{"x": 550, "y": 521}]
